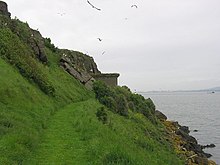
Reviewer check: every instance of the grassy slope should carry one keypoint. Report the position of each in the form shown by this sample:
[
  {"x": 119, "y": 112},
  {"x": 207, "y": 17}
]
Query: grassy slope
[
  {"x": 36, "y": 128},
  {"x": 25, "y": 109},
  {"x": 75, "y": 136}
]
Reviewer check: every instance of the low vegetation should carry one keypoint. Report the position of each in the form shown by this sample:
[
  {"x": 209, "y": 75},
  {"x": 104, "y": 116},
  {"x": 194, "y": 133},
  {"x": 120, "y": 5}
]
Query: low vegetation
[{"x": 121, "y": 100}]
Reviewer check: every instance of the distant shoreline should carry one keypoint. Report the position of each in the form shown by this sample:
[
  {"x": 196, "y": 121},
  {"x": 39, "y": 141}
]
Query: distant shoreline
[{"x": 181, "y": 91}]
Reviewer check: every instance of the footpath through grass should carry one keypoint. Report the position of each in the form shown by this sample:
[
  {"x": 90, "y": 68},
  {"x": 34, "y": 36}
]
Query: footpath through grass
[
  {"x": 62, "y": 142},
  {"x": 75, "y": 136}
]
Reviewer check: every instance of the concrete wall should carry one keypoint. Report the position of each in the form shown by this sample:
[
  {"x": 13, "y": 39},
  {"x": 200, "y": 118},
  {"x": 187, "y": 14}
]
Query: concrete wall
[{"x": 110, "y": 79}]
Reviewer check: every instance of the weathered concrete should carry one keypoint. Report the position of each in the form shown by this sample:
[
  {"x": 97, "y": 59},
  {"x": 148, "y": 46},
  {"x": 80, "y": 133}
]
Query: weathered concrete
[
  {"x": 4, "y": 9},
  {"x": 110, "y": 79}
]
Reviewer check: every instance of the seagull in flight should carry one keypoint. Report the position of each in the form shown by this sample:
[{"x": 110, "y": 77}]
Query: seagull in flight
[
  {"x": 99, "y": 39},
  {"x": 93, "y": 6},
  {"x": 61, "y": 14},
  {"x": 134, "y": 6}
]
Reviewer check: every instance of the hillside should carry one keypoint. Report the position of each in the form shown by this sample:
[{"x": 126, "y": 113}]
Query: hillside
[{"x": 47, "y": 116}]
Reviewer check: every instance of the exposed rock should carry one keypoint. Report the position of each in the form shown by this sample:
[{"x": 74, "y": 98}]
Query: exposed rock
[
  {"x": 187, "y": 145},
  {"x": 201, "y": 160},
  {"x": 30, "y": 37},
  {"x": 4, "y": 9},
  {"x": 80, "y": 61},
  {"x": 184, "y": 129},
  {"x": 36, "y": 42},
  {"x": 83, "y": 76},
  {"x": 208, "y": 155},
  {"x": 208, "y": 146},
  {"x": 186, "y": 136},
  {"x": 160, "y": 115}
]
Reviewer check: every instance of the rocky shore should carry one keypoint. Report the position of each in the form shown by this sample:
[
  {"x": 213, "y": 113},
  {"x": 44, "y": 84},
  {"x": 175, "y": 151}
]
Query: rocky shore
[{"x": 185, "y": 145}]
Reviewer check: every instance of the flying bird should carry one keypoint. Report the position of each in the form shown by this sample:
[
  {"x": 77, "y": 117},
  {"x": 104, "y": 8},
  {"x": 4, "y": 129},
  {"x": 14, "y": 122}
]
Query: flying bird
[
  {"x": 93, "y": 6},
  {"x": 99, "y": 39},
  {"x": 61, "y": 14},
  {"x": 134, "y": 6},
  {"x": 103, "y": 52}
]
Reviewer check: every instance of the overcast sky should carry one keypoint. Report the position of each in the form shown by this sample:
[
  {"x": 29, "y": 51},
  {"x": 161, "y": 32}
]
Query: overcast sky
[{"x": 161, "y": 45}]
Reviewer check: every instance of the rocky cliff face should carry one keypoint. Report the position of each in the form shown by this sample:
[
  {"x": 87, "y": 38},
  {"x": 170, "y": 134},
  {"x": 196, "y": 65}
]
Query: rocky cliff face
[
  {"x": 31, "y": 37},
  {"x": 4, "y": 9},
  {"x": 79, "y": 65},
  {"x": 80, "y": 61}
]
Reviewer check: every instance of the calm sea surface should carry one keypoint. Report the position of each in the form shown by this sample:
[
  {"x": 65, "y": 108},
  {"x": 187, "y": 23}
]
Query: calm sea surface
[{"x": 198, "y": 110}]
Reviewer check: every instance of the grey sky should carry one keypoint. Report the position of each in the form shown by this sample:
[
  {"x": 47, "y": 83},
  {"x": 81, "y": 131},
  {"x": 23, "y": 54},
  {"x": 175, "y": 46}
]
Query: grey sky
[{"x": 161, "y": 45}]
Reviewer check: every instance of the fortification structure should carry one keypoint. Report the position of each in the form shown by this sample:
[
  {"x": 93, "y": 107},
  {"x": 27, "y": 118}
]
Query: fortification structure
[
  {"x": 4, "y": 9},
  {"x": 110, "y": 79},
  {"x": 84, "y": 69}
]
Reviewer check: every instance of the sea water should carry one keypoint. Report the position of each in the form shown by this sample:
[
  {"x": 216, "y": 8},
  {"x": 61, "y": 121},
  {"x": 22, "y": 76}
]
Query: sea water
[{"x": 198, "y": 110}]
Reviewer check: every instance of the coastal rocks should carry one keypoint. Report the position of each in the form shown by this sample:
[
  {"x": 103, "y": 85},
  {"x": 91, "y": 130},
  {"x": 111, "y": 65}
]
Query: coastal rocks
[
  {"x": 186, "y": 145},
  {"x": 184, "y": 129},
  {"x": 4, "y": 9},
  {"x": 208, "y": 146},
  {"x": 160, "y": 116}
]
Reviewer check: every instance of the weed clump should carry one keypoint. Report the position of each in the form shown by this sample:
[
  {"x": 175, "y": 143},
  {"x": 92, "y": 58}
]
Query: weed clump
[{"x": 102, "y": 115}]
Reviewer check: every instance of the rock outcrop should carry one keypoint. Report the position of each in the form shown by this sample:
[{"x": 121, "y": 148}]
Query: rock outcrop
[
  {"x": 4, "y": 9},
  {"x": 186, "y": 145},
  {"x": 160, "y": 116},
  {"x": 84, "y": 69},
  {"x": 79, "y": 65},
  {"x": 29, "y": 36},
  {"x": 80, "y": 61},
  {"x": 36, "y": 42}
]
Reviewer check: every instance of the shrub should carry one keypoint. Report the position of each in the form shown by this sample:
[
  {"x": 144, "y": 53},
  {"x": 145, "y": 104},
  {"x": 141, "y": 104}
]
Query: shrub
[
  {"x": 102, "y": 115},
  {"x": 121, "y": 99},
  {"x": 109, "y": 102},
  {"x": 122, "y": 105},
  {"x": 101, "y": 90},
  {"x": 48, "y": 44},
  {"x": 150, "y": 105},
  {"x": 131, "y": 106}
]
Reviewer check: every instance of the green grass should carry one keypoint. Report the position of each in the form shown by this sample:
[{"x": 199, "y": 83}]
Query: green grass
[
  {"x": 75, "y": 136},
  {"x": 48, "y": 117},
  {"x": 25, "y": 109}
]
